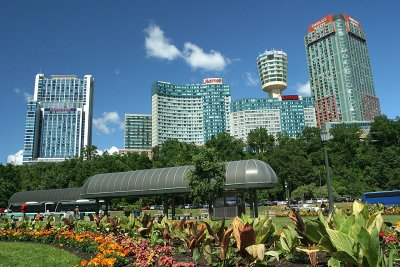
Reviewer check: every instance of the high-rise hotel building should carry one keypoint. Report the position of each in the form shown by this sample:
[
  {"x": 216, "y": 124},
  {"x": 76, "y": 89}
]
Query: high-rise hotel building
[
  {"x": 191, "y": 113},
  {"x": 59, "y": 118},
  {"x": 288, "y": 114},
  {"x": 340, "y": 70}
]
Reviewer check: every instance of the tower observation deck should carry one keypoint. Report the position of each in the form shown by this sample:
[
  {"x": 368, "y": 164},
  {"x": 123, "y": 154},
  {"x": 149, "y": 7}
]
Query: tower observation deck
[{"x": 272, "y": 68}]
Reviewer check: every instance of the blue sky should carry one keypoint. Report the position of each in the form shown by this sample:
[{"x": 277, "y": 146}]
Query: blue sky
[{"x": 108, "y": 40}]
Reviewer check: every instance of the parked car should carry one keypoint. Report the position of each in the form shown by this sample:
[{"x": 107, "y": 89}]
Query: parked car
[
  {"x": 308, "y": 207},
  {"x": 345, "y": 199},
  {"x": 189, "y": 206}
]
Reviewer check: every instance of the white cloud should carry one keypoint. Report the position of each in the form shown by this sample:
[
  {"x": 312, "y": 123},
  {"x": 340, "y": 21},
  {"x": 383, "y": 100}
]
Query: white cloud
[
  {"x": 112, "y": 150},
  {"x": 26, "y": 95},
  {"x": 16, "y": 159},
  {"x": 251, "y": 79},
  {"x": 158, "y": 46},
  {"x": 105, "y": 124},
  {"x": 304, "y": 89},
  {"x": 198, "y": 59}
]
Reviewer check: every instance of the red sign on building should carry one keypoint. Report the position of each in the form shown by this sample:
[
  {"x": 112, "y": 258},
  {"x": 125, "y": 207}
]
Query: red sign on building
[
  {"x": 290, "y": 97},
  {"x": 349, "y": 19},
  {"x": 212, "y": 81},
  {"x": 320, "y": 23}
]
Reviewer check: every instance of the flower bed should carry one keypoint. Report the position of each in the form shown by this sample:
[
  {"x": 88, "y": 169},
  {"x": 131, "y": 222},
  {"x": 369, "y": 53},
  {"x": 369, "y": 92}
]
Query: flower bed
[
  {"x": 108, "y": 250},
  {"x": 350, "y": 239}
]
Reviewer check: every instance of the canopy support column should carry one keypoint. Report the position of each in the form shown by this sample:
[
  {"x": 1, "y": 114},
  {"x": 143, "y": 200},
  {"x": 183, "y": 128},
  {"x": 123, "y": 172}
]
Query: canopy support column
[
  {"x": 165, "y": 206},
  {"x": 106, "y": 201},
  {"x": 251, "y": 200},
  {"x": 242, "y": 203},
  {"x": 255, "y": 203},
  {"x": 97, "y": 207},
  {"x": 173, "y": 208}
]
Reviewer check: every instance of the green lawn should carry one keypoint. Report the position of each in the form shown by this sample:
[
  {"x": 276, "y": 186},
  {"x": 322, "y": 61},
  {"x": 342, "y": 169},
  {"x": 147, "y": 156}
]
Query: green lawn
[{"x": 31, "y": 254}]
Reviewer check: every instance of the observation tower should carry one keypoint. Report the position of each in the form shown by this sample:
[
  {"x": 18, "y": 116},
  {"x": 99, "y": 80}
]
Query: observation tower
[{"x": 272, "y": 68}]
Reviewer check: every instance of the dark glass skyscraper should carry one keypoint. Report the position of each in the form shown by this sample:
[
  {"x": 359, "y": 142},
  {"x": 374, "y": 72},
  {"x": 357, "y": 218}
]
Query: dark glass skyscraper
[
  {"x": 59, "y": 118},
  {"x": 340, "y": 70},
  {"x": 137, "y": 131}
]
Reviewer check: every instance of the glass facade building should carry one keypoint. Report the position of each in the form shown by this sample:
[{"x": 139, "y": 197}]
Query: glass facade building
[
  {"x": 191, "y": 113},
  {"x": 340, "y": 70},
  {"x": 137, "y": 131},
  {"x": 59, "y": 118},
  {"x": 287, "y": 114}
]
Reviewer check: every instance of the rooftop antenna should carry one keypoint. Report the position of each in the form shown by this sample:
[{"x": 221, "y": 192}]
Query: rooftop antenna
[{"x": 40, "y": 70}]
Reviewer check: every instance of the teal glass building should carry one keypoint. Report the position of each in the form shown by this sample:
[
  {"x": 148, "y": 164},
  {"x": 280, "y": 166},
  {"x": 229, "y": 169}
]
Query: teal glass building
[
  {"x": 191, "y": 113},
  {"x": 340, "y": 70},
  {"x": 59, "y": 118},
  {"x": 286, "y": 114}
]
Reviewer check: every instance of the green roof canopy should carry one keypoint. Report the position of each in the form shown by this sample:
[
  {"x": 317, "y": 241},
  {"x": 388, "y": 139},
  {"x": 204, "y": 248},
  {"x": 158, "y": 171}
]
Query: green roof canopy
[
  {"x": 240, "y": 175},
  {"x": 52, "y": 195},
  {"x": 244, "y": 174}
]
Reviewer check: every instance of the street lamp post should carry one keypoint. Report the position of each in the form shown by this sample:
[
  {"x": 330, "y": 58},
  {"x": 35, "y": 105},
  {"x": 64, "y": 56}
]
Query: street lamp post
[
  {"x": 325, "y": 138},
  {"x": 287, "y": 194}
]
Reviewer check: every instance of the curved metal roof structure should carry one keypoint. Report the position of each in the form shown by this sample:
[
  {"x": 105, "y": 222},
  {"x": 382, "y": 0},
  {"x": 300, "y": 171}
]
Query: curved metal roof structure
[
  {"x": 52, "y": 195},
  {"x": 244, "y": 174}
]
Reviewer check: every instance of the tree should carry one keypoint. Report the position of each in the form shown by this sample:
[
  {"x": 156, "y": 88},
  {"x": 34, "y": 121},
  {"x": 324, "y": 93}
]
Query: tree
[
  {"x": 90, "y": 152},
  {"x": 173, "y": 153},
  {"x": 207, "y": 179},
  {"x": 227, "y": 148},
  {"x": 259, "y": 140},
  {"x": 385, "y": 132},
  {"x": 9, "y": 183}
]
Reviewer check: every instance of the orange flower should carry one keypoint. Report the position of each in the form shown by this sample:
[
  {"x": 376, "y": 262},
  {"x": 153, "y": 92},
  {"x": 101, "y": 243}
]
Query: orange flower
[
  {"x": 84, "y": 263},
  {"x": 398, "y": 224}
]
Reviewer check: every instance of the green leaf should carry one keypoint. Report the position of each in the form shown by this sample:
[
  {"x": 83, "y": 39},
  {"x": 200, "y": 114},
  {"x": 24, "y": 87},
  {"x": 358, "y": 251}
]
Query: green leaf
[
  {"x": 341, "y": 241},
  {"x": 345, "y": 227},
  {"x": 196, "y": 254},
  {"x": 308, "y": 250},
  {"x": 338, "y": 218},
  {"x": 207, "y": 251},
  {"x": 274, "y": 254},
  {"x": 322, "y": 219},
  {"x": 345, "y": 258},
  {"x": 247, "y": 219},
  {"x": 314, "y": 230},
  {"x": 357, "y": 207},
  {"x": 369, "y": 247},
  {"x": 375, "y": 221},
  {"x": 332, "y": 262},
  {"x": 265, "y": 231},
  {"x": 325, "y": 244},
  {"x": 391, "y": 258},
  {"x": 284, "y": 244}
]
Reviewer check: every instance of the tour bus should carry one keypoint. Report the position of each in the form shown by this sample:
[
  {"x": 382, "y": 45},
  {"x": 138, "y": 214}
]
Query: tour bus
[
  {"x": 382, "y": 197},
  {"x": 85, "y": 206}
]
